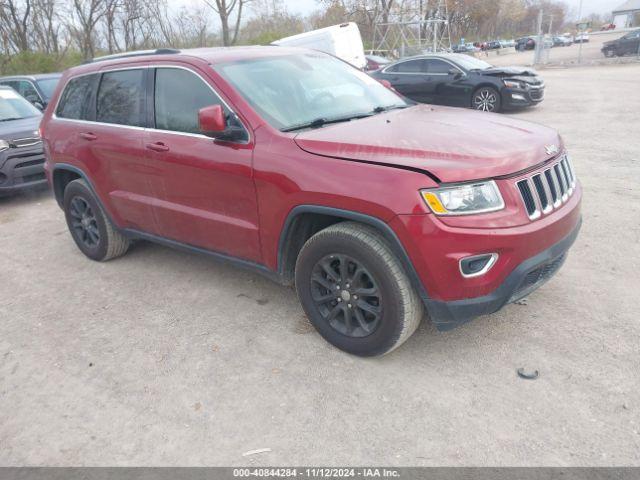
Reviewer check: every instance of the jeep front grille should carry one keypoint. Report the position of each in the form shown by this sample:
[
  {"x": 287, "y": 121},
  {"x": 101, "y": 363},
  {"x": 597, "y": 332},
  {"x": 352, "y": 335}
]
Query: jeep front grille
[{"x": 547, "y": 190}]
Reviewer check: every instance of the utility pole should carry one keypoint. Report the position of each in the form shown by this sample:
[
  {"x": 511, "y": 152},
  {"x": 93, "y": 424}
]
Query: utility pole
[
  {"x": 580, "y": 33},
  {"x": 539, "y": 40},
  {"x": 550, "y": 23}
]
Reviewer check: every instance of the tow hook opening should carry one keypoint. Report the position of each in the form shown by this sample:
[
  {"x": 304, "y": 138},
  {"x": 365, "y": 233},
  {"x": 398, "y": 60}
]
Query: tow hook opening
[{"x": 477, "y": 265}]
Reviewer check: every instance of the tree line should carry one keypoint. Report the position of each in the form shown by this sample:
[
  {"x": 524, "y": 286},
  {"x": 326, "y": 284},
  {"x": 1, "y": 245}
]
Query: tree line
[{"x": 46, "y": 35}]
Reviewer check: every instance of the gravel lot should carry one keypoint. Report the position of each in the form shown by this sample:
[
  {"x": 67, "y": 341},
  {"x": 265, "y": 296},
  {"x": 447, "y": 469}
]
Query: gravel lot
[{"x": 165, "y": 358}]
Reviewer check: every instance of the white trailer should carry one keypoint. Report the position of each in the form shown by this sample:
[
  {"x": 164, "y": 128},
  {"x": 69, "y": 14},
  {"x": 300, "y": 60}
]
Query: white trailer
[{"x": 343, "y": 41}]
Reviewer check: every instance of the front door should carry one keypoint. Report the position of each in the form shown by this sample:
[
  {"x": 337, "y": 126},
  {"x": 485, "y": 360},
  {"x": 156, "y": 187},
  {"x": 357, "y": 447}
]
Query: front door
[
  {"x": 445, "y": 87},
  {"x": 203, "y": 189}
]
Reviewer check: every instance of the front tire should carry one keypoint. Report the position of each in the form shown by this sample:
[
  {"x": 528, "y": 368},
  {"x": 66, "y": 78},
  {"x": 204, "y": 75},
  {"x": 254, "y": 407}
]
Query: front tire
[
  {"x": 89, "y": 226},
  {"x": 355, "y": 292},
  {"x": 486, "y": 99}
]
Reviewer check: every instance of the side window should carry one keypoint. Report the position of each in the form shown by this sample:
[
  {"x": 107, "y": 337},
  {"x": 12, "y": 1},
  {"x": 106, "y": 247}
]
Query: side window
[
  {"x": 11, "y": 83},
  {"x": 121, "y": 98},
  {"x": 178, "y": 97},
  {"x": 76, "y": 98},
  {"x": 438, "y": 67},
  {"x": 411, "y": 66},
  {"x": 28, "y": 91}
]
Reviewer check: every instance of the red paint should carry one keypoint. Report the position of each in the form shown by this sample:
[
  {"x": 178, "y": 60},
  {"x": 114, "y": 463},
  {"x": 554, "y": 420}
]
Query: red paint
[{"x": 234, "y": 198}]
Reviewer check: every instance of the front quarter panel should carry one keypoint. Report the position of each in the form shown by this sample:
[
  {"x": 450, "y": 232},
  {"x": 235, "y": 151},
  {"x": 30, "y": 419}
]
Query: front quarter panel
[{"x": 287, "y": 176}]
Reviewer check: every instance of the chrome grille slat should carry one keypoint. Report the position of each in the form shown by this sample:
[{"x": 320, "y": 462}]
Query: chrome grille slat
[
  {"x": 553, "y": 186},
  {"x": 546, "y": 190},
  {"x": 542, "y": 193},
  {"x": 562, "y": 181},
  {"x": 567, "y": 176}
]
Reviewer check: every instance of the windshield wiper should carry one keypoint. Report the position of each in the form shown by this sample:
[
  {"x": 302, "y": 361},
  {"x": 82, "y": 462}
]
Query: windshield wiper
[
  {"x": 319, "y": 122},
  {"x": 388, "y": 107},
  {"x": 9, "y": 119}
]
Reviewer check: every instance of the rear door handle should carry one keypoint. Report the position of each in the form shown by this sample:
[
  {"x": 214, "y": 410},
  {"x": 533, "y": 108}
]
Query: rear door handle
[
  {"x": 157, "y": 147},
  {"x": 88, "y": 136}
]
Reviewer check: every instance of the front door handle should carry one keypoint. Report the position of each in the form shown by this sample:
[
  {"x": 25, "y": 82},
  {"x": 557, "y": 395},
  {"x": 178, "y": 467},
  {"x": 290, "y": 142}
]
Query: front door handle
[
  {"x": 157, "y": 147},
  {"x": 88, "y": 136}
]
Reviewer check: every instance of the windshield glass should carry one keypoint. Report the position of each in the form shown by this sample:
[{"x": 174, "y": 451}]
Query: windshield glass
[
  {"x": 14, "y": 107},
  {"x": 292, "y": 90},
  {"x": 470, "y": 63},
  {"x": 48, "y": 85}
]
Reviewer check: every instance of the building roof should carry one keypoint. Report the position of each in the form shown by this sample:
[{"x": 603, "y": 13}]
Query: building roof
[{"x": 627, "y": 6}]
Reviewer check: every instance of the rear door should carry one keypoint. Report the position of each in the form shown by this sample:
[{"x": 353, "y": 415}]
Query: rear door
[
  {"x": 115, "y": 139},
  {"x": 203, "y": 189},
  {"x": 408, "y": 78}
]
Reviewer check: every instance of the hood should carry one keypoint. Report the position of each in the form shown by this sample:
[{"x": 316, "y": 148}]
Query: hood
[
  {"x": 451, "y": 144},
  {"x": 509, "y": 71},
  {"x": 23, "y": 128}
]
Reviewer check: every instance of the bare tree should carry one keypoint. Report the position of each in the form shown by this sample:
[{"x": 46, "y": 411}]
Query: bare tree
[
  {"x": 14, "y": 23},
  {"x": 85, "y": 17},
  {"x": 225, "y": 10}
]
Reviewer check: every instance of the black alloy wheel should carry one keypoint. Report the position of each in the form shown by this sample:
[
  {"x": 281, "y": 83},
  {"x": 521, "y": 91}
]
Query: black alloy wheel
[
  {"x": 90, "y": 228},
  {"x": 347, "y": 295},
  {"x": 84, "y": 223}
]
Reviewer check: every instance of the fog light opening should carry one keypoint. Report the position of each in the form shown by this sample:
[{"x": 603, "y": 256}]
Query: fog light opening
[{"x": 477, "y": 265}]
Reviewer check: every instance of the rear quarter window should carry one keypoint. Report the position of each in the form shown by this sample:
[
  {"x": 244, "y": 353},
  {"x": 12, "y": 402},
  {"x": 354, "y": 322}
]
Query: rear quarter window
[{"x": 75, "y": 100}]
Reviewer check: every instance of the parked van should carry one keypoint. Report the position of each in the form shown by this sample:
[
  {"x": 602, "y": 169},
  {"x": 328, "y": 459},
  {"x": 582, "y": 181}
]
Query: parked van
[{"x": 343, "y": 41}]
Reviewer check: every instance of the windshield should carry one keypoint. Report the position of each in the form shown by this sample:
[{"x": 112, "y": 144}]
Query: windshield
[
  {"x": 14, "y": 107},
  {"x": 294, "y": 90},
  {"x": 48, "y": 86},
  {"x": 470, "y": 63}
]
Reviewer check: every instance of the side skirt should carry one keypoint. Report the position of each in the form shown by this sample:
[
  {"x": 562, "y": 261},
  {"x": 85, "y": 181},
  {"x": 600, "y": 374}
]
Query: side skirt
[{"x": 133, "y": 234}]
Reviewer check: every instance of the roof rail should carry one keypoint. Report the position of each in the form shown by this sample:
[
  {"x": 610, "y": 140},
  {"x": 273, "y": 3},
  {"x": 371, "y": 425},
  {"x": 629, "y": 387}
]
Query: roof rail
[{"x": 137, "y": 53}]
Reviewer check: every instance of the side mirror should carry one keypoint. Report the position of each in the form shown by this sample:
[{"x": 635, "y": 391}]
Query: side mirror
[
  {"x": 387, "y": 84},
  {"x": 39, "y": 106},
  {"x": 455, "y": 72},
  {"x": 211, "y": 121}
]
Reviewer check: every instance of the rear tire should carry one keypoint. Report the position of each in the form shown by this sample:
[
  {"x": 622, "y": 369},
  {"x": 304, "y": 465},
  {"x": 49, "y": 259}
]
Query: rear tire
[
  {"x": 355, "y": 292},
  {"x": 89, "y": 226}
]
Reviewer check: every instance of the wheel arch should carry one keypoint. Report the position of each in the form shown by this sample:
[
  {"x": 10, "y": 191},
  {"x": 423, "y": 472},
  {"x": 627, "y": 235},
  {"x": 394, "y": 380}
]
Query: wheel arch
[
  {"x": 304, "y": 221},
  {"x": 62, "y": 174}
]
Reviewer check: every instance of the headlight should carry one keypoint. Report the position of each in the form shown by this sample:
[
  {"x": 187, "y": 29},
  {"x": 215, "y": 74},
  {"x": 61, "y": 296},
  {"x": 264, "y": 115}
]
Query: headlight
[
  {"x": 3, "y": 145},
  {"x": 464, "y": 199},
  {"x": 514, "y": 84}
]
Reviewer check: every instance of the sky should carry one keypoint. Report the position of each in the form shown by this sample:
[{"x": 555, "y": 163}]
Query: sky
[
  {"x": 589, "y": 6},
  {"x": 304, "y": 7}
]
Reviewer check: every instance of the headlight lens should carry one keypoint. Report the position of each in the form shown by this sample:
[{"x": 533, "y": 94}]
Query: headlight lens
[
  {"x": 514, "y": 84},
  {"x": 3, "y": 145},
  {"x": 465, "y": 199}
]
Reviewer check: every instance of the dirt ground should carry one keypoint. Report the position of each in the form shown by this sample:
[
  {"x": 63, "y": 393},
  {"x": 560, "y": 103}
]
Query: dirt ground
[{"x": 166, "y": 358}]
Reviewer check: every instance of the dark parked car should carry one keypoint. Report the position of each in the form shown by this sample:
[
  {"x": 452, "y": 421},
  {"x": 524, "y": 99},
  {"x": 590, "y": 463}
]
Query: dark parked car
[
  {"x": 301, "y": 167},
  {"x": 628, "y": 44},
  {"x": 525, "y": 43},
  {"x": 559, "y": 41},
  {"x": 35, "y": 88},
  {"x": 463, "y": 81},
  {"x": 462, "y": 48},
  {"x": 375, "y": 62},
  {"x": 21, "y": 155},
  {"x": 495, "y": 45}
]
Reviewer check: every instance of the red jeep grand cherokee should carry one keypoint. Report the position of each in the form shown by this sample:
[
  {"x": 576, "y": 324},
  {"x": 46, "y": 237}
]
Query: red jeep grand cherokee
[{"x": 295, "y": 164}]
